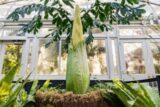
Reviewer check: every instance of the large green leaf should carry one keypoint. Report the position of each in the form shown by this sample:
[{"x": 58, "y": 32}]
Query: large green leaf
[
  {"x": 143, "y": 96},
  {"x": 6, "y": 84},
  {"x": 13, "y": 95},
  {"x": 150, "y": 94}
]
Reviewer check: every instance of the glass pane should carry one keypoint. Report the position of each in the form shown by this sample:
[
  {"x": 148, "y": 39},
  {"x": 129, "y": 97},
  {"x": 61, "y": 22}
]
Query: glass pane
[
  {"x": 48, "y": 58},
  {"x": 131, "y": 32},
  {"x": 12, "y": 57},
  {"x": 97, "y": 57},
  {"x": 152, "y": 31},
  {"x": 155, "y": 48},
  {"x": 134, "y": 59}
]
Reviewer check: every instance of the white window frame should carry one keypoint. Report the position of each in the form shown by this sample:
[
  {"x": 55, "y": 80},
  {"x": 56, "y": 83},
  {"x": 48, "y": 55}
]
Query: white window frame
[
  {"x": 148, "y": 71},
  {"x": 4, "y": 40},
  {"x": 148, "y": 42},
  {"x": 34, "y": 60},
  {"x": 107, "y": 36}
]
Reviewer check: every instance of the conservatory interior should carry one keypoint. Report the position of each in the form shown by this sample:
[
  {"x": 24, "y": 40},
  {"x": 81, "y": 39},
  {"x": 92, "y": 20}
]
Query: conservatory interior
[{"x": 125, "y": 52}]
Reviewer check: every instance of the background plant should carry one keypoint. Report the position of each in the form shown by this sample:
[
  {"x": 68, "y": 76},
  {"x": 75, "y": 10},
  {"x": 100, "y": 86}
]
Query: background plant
[
  {"x": 10, "y": 91},
  {"x": 121, "y": 94},
  {"x": 13, "y": 94},
  {"x": 95, "y": 17}
]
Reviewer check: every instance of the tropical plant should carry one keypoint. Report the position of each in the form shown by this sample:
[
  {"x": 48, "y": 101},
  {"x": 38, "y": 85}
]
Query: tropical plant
[
  {"x": 13, "y": 94},
  {"x": 9, "y": 92},
  {"x": 25, "y": 99},
  {"x": 77, "y": 78},
  {"x": 6, "y": 84},
  {"x": 132, "y": 96}
]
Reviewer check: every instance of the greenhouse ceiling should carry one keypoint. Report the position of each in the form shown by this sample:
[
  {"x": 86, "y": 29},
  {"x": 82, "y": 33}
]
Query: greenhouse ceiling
[{"x": 7, "y": 6}]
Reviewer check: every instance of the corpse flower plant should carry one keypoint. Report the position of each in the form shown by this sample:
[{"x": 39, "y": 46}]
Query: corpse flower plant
[
  {"x": 77, "y": 78},
  {"x": 100, "y": 12}
]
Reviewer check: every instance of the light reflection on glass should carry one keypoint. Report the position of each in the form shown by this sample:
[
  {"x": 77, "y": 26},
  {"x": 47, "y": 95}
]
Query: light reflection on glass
[
  {"x": 155, "y": 48},
  {"x": 97, "y": 57},
  {"x": 96, "y": 52},
  {"x": 114, "y": 57},
  {"x": 48, "y": 58},
  {"x": 134, "y": 58}
]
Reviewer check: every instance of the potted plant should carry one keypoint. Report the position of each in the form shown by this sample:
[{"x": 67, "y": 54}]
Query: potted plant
[{"x": 77, "y": 77}]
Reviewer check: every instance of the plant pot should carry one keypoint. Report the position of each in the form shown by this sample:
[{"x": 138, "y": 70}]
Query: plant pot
[{"x": 68, "y": 99}]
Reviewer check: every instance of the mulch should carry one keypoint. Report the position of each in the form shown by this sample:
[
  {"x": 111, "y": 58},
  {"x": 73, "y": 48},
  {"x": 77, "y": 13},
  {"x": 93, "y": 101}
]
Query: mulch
[{"x": 68, "y": 99}]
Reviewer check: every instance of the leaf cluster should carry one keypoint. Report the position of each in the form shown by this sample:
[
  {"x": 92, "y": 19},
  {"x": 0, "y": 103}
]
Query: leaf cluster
[
  {"x": 10, "y": 91},
  {"x": 130, "y": 96},
  {"x": 100, "y": 15}
]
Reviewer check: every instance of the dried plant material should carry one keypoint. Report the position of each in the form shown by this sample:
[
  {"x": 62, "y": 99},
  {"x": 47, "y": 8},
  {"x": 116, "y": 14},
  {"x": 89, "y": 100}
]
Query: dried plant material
[{"x": 68, "y": 99}]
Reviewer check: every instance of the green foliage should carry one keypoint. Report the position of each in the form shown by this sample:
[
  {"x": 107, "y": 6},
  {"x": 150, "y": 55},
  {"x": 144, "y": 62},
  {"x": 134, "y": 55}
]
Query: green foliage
[
  {"x": 130, "y": 96},
  {"x": 113, "y": 99},
  {"x": 95, "y": 17},
  {"x": 9, "y": 91},
  {"x": 29, "y": 100},
  {"x": 6, "y": 84},
  {"x": 45, "y": 85},
  {"x": 13, "y": 94},
  {"x": 12, "y": 57}
]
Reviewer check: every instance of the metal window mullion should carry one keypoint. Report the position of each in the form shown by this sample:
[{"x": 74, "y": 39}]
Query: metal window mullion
[
  {"x": 116, "y": 43},
  {"x": 117, "y": 57},
  {"x": 106, "y": 46},
  {"x": 35, "y": 55},
  {"x": 110, "y": 58},
  {"x": 2, "y": 53},
  {"x": 122, "y": 58},
  {"x": 151, "y": 70},
  {"x": 24, "y": 60},
  {"x": 60, "y": 56},
  {"x": 120, "y": 53},
  {"x": 145, "y": 56}
]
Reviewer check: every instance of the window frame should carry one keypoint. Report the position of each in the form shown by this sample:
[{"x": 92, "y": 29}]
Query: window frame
[
  {"x": 107, "y": 36},
  {"x": 3, "y": 43}
]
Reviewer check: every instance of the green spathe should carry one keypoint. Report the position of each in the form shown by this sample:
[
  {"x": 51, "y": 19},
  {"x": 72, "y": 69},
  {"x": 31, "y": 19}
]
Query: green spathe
[{"x": 77, "y": 78}]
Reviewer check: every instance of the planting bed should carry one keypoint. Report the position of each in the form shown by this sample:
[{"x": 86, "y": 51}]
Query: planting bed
[{"x": 68, "y": 99}]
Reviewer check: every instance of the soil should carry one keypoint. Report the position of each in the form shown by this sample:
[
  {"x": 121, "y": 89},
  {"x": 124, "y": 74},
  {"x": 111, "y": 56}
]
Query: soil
[{"x": 68, "y": 99}]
